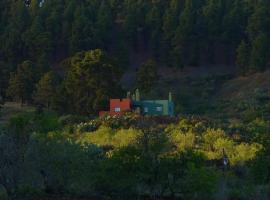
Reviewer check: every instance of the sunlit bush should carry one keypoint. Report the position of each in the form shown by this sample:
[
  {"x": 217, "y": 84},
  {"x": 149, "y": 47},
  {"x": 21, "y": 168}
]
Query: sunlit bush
[{"x": 106, "y": 136}]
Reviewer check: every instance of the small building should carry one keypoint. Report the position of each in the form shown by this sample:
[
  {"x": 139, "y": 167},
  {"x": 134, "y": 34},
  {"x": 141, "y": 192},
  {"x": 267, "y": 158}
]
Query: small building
[
  {"x": 154, "y": 107},
  {"x": 119, "y": 107}
]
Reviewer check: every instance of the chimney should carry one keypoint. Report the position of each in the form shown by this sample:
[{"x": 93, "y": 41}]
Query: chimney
[
  {"x": 170, "y": 97},
  {"x": 128, "y": 95},
  {"x": 137, "y": 95},
  {"x": 133, "y": 97}
]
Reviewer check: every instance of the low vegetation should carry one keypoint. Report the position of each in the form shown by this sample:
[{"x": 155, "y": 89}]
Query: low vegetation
[{"x": 134, "y": 157}]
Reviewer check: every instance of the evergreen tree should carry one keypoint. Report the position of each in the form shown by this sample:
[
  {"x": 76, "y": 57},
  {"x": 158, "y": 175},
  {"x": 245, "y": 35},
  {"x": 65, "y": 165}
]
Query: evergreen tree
[
  {"x": 242, "y": 59},
  {"x": 46, "y": 89},
  {"x": 169, "y": 26},
  {"x": 234, "y": 22},
  {"x": 147, "y": 76},
  {"x": 3, "y": 82},
  {"x": 134, "y": 20},
  {"x": 259, "y": 58},
  {"x": 2, "y": 102},
  {"x": 177, "y": 32},
  {"x": 60, "y": 101},
  {"x": 91, "y": 80},
  {"x": 37, "y": 40},
  {"x": 154, "y": 25},
  {"x": 82, "y": 36},
  {"x": 213, "y": 13},
  {"x": 171, "y": 18},
  {"x": 259, "y": 21},
  {"x": 104, "y": 24},
  {"x": 12, "y": 45},
  {"x": 4, "y": 78},
  {"x": 21, "y": 83},
  {"x": 186, "y": 32}
]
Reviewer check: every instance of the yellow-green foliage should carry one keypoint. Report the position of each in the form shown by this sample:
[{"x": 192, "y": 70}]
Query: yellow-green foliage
[
  {"x": 101, "y": 137},
  {"x": 211, "y": 143},
  {"x": 106, "y": 136},
  {"x": 214, "y": 141},
  {"x": 181, "y": 137},
  {"x": 183, "y": 141},
  {"x": 125, "y": 137},
  {"x": 219, "y": 145},
  {"x": 244, "y": 152},
  {"x": 211, "y": 136}
]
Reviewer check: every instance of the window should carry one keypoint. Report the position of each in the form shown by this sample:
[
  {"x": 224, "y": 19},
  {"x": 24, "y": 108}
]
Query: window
[
  {"x": 117, "y": 109},
  {"x": 146, "y": 110},
  {"x": 159, "y": 109}
]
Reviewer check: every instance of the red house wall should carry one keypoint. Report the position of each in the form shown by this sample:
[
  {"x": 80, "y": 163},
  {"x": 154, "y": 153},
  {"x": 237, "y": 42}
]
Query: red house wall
[{"x": 124, "y": 105}]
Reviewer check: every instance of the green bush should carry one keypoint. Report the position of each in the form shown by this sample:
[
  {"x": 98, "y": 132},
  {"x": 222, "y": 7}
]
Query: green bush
[
  {"x": 43, "y": 122},
  {"x": 46, "y": 122}
]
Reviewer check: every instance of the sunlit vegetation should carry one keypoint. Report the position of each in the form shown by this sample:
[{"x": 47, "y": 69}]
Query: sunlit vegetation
[{"x": 107, "y": 157}]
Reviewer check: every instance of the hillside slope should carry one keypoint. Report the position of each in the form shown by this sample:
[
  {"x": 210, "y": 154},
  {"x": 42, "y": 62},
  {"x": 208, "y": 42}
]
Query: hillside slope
[{"x": 244, "y": 87}]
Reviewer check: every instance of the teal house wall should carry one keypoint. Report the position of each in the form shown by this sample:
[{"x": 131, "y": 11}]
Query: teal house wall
[
  {"x": 155, "y": 107},
  {"x": 152, "y": 107}
]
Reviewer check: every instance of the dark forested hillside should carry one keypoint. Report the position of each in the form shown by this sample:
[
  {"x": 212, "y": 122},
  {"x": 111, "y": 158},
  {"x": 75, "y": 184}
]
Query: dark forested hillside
[
  {"x": 41, "y": 36},
  {"x": 176, "y": 32}
]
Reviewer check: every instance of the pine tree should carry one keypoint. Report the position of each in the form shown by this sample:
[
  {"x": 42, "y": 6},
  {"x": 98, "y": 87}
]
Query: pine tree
[
  {"x": 154, "y": 24},
  {"x": 147, "y": 76},
  {"x": 104, "y": 24},
  {"x": 12, "y": 45},
  {"x": 169, "y": 26},
  {"x": 171, "y": 19},
  {"x": 38, "y": 42},
  {"x": 2, "y": 102},
  {"x": 242, "y": 59},
  {"x": 46, "y": 89},
  {"x": 91, "y": 80},
  {"x": 4, "y": 78},
  {"x": 21, "y": 83},
  {"x": 186, "y": 32},
  {"x": 259, "y": 21},
  {"x": 83, "y": 35},
  {"x": 259, "y": 58},
  {"x": 234, "y": 22}
]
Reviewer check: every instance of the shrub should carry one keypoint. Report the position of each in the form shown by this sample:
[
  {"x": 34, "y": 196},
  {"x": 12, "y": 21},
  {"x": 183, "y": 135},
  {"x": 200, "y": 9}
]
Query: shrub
[{"x": 106, "y": 136}]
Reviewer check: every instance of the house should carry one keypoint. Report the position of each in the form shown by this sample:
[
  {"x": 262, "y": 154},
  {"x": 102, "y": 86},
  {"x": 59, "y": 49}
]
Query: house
[
  {"x": 154, "y": 107},
  {"x": 119, "y": 107}
]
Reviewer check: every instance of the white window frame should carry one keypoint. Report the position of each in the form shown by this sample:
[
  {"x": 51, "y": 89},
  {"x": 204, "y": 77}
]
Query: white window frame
[
  {"x": 117, "y": 109},
  {"x": 159, "y": 109}
]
